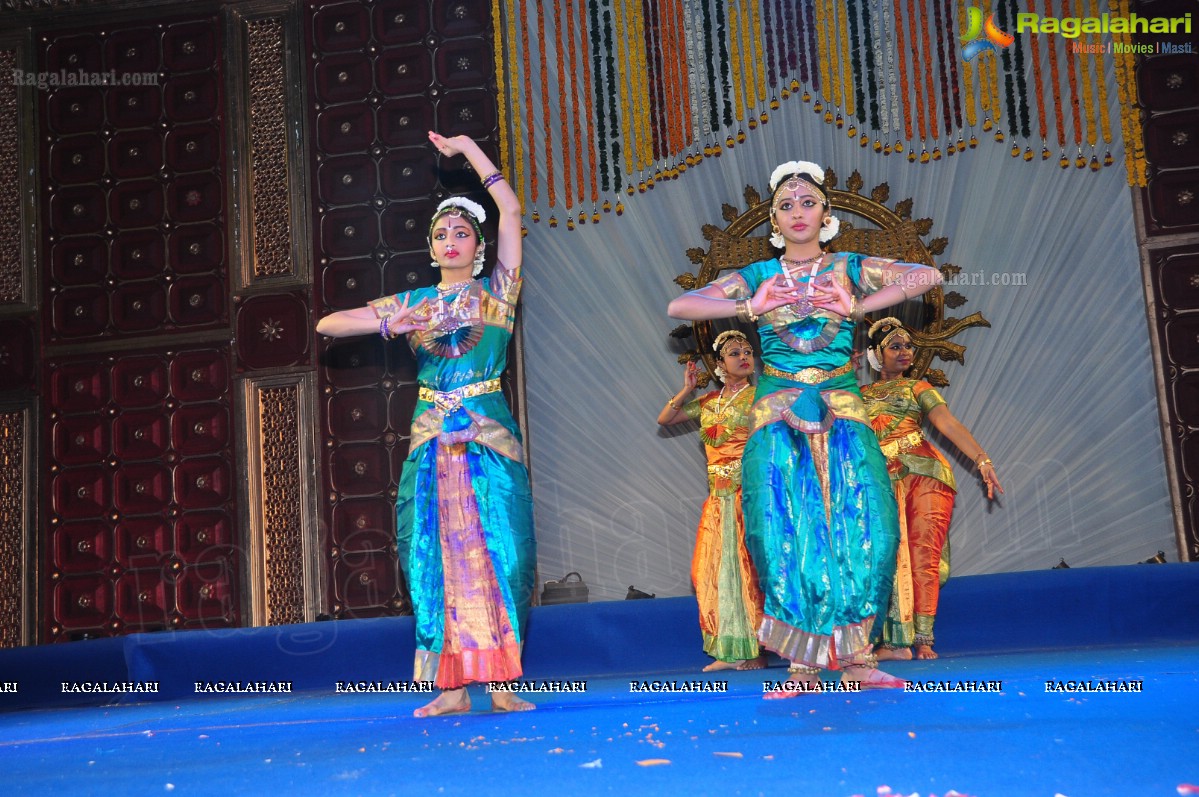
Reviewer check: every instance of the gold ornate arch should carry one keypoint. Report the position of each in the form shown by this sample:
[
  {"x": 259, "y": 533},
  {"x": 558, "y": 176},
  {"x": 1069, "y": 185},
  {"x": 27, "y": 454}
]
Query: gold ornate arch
[{"x": 894, "y": 234}]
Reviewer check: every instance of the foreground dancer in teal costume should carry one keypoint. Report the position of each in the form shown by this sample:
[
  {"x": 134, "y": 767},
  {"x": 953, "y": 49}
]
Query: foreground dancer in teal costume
[
  {"x": 464, "y": 511},
  {"x": 820, "y": 516}
]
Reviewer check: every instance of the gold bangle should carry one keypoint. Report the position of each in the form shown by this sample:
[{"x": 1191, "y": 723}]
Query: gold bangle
[
  {"x": 857, "y": 313},
  {"x": 982, "y": 459},
  {"x": 745, "y": 312},
  {"x": 670, "y": 403}
]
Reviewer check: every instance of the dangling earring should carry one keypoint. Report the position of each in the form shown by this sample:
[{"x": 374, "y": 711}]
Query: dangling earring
[
  {"x": 435, "y": 264},
  {"x": 776, "y": 235},
  {"x": 478, "y": 261}
]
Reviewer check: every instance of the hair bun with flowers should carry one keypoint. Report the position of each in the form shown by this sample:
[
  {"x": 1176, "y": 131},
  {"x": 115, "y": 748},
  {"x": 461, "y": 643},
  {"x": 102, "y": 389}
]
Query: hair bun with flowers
[{"x": 886, "y": 328}]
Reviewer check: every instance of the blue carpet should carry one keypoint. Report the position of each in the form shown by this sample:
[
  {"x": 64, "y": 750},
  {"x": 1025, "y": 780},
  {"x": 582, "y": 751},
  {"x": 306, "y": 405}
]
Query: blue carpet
[{"x": 1137, "y": 623}]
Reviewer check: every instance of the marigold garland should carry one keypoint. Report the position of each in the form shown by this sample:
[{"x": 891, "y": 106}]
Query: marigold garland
[
  {"x": 952, "y": 57},
  {"x": 1009, "y": 83},
  {"x": 803, "y": 37},
  {"x": 925, "y": 68},
  {"x": 847, "y": 73},
  {"x": 550, "y": 185},
  {"x": 626, "y": 76},
  {"x": 1105, "y": 121},
  {"x": 499, "y": 55},
  {"x": 528, "y": 85},
  {"x": 873, "y": 60},
  {"x": 1085, "y": 60},
  {"x": 1134, "y": 145},
  {"x": 601, "y": 79},
  {"x": 903, "y": 72},
  {"x": 725, "y": 84},
  {"x": 1021, "y": 79},
  {"x": 892, "y": 89},
  {"x": 645, "y": 133},
  {"x": 561, "y": 56},
  {"x": 943, "y": 70},
  {"x": 737, "y": 56},
  {"x": 1039, "y": 92},
  {"x": 1056, "y": 84},
  {"x": 770, "y": 33},
  {"x": 755, "y": 7},
  {"x": 713, "y": 117},
  {"x": 824, "y": 53},
  {"x": 1072, "y": 78},
  {"x": 968, "y": 73},
  {"x": 813, "y": 34},
  {"x": 588, "y": 108},
  {"x": 614, "y": 140}
]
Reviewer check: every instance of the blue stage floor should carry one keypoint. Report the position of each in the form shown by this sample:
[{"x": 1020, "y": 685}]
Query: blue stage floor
[
  {"x": 1127, "y": 625},
  {"x": 1020, "y": 741}
]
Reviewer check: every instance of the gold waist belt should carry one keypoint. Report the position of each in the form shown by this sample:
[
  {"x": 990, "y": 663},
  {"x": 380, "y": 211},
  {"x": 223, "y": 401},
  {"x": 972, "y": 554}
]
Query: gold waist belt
[
  {"x": 729, "y": 471},
  {"x": 906, "y": 443},
  {"x": 450, "y": 400},
  {"x": 809, "y": 376}
]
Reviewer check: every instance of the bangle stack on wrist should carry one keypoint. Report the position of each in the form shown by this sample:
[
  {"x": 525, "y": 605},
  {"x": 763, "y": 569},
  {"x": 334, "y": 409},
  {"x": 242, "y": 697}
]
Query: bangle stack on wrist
[
  {"x": 745, "y": 312},
  {"x": 982, "y": 459},
  {"x": 385, "y": 327},
  {"x": 492, "y": 179},
  {"x": 857, "y": 313}
]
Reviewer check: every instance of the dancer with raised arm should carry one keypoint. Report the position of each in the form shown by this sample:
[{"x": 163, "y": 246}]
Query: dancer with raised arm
[
  {"x": 726, "y": 584},
  {"x": 464, "y": 510}
]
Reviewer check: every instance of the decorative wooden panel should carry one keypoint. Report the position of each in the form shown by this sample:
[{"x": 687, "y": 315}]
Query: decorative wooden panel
[
  {"x": 286, "y": 558},
  {"x": 1168, "y": 220},
  {"x": 18, "y": 514},
  {"x": 381, "y": 74},
  {"x": 13, "y": 279},
  {"x": 141, "y": 494},
  {"x": 133, "y": 182}
]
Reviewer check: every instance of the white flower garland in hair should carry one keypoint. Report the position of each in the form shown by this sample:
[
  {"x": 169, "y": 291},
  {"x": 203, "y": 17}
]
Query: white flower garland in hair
[
  {"x": 872, "y": 358},
  {"x": 470, "y": 206},
  {"x": 795, "y": 167},
  {"x": 830, "y": 230}
]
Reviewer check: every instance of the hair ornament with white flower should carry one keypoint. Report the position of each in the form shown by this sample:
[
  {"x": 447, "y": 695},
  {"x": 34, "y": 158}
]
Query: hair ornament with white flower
[
  {"x": 829, "y": 230},
  {"x": 458, "y": 206},
  {"x": 795, "y": 167},
  {"x": 469, "y": 205},
  {"x": 725, "y": 337},
  {"x": 880, "y": 334}
]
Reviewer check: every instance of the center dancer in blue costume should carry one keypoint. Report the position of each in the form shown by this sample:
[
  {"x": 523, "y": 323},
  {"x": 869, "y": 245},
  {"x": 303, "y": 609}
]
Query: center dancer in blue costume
[
  {"x": 820, "y": 517},
  {"x": 464, "y": 512}
]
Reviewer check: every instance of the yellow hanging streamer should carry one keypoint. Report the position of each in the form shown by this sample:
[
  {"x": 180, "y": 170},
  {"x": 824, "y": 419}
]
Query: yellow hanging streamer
[
  {"x": 758, "y": 59},
  {"x": 823, "y": 44},
  {"x": 847, "y": 76},
  {"x": 503, "y": 48},
  {"x": 967, "y": 72},
  {"x": 734, "y": 20},
  {"x": 1134, "y": 147},
  {"x": 1105, "y": 121},
  {"x": 1085, "y": 60}
]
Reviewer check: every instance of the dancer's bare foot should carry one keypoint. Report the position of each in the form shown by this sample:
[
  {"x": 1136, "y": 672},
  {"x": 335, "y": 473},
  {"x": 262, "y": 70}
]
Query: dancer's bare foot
[
  {"x": 722, "y": 665},
  {"x": 797, "y": 683},
  {"x": 870, "y": 678},
  {"x": 884, "y": 653},
  {"x": 753, "y": 664},
  {"x": 506, "y": 701},
  {"x": 924, "y": 652},
  {"x": 450, "y": 701}
]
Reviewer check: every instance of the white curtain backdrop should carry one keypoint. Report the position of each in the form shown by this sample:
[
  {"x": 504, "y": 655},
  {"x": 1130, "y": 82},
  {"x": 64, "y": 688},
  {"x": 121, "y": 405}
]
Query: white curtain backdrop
[{"x": 1059, "y": 391}]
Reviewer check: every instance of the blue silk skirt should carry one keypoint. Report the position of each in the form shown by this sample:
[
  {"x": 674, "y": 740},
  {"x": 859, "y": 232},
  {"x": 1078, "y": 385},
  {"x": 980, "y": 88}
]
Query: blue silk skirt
[
  {"x": 826, "y": 567},
  {"x": 466, "y": 547}
]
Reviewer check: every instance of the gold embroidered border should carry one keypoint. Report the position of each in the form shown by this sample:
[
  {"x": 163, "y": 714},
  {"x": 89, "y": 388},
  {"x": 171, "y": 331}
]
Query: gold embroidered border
[{"x": 775, "y": 407}]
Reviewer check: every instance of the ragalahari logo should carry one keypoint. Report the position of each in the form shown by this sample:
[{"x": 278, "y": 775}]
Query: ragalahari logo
[{"x": 982, "y": 36}]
